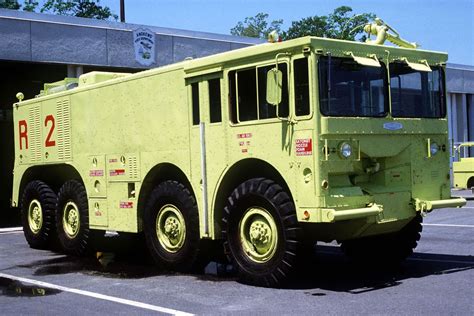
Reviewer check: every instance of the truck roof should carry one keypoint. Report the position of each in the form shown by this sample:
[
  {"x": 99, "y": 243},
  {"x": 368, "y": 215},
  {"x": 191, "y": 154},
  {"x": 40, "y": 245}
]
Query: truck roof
[
  {"x": 216, "y": 62},
  {"x": 334, "y": 46}
]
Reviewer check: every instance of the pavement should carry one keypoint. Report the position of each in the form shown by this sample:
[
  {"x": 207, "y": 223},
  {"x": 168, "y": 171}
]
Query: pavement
[
  {"x": 436, "y": 280},
  {"x": 467, "y": 194}
]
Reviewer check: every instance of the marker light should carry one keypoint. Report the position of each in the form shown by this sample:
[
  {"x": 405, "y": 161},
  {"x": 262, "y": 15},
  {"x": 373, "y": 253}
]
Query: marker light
[
  {"x": 434, "y": 148},
  {"x": 346, "y": 150}
]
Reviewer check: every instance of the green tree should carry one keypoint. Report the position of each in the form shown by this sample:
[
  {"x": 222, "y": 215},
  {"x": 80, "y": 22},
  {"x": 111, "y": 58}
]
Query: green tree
[
  {"x": 80, "y": 8},
  {"x": 256, "y": 26},
  {"x": 339, "y": 24},
  {"x": 30, "y": 5},
  {"x": 10, "y": 4},
  {"x": 313, "y": 25}
]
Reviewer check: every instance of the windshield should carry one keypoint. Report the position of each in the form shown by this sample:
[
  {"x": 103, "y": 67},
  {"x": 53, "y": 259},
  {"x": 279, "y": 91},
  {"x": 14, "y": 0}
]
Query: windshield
[
  {"x": 347, "y": 88},
  {"x": 416, "y": 93}
]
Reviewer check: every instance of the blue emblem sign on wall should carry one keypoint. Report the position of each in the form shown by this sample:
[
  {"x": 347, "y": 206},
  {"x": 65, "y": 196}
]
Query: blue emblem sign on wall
[{"x": 144, "y": 43}]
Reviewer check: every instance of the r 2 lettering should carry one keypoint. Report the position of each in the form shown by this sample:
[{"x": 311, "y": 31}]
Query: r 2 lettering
[
  {"x": 49, "y": 121},
  {"x": 49, "y": 142}
]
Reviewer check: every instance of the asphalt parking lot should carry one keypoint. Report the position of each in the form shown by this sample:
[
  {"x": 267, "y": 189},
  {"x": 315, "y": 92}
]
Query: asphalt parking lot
[{"x": 437, "y": 280}]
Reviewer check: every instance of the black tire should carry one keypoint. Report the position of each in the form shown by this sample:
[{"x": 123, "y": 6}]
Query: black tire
[
  {"x": 72, "y": 211},
  {"x": 261, "y": 201},
  {"x": 171, "y": 203},
  {"x": 388, "y": 249},
  {"x": 37, "y": 214}
]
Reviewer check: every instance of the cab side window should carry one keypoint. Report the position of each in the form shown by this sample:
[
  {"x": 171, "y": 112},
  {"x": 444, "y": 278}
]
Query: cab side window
[
  {"x": 300, "y": 67},
  {"x": 195, "y": 102},
  {"x": 247, "y": 94},
  {"x": 215, "y": 112}
]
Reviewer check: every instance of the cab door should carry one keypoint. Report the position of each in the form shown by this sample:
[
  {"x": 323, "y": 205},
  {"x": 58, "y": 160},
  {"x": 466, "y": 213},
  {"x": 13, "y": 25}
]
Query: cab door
[{"x": 207, "y": 142}]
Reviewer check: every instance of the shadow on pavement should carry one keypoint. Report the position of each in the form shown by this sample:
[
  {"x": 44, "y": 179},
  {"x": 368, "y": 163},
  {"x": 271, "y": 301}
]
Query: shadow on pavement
[
  {"x": 120, "y": 256},
  {"x": 14, "y": 288},
  {"x": 331, "y": 270},
  {"x": 9, "y": 217}
]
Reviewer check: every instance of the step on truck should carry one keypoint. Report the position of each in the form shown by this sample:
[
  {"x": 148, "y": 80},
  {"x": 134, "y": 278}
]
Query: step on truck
[{"x": 265, "y": 149}]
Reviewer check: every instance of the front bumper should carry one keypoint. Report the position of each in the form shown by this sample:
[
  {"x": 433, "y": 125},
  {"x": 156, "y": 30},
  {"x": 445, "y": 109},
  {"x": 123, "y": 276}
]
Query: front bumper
[
  {"x": 331, "y": 215},
  {"x": 428, "y": 206}
]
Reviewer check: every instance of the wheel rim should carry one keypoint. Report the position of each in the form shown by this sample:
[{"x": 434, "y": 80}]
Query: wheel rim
[
  {"x": 170, "y": 228},
  {"x": 35, "y": 216},
  {"x": 258, "y": 235},
  {"x": 71, "y": 219}
]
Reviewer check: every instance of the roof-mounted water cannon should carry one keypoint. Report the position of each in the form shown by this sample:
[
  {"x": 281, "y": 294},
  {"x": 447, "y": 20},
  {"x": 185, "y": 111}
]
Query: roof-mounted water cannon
[{"x": 381, "y": 30}]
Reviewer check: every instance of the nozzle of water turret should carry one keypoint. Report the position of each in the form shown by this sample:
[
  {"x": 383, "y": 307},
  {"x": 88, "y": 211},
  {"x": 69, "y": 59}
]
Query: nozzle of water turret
[{"x": 381, "y": 30}]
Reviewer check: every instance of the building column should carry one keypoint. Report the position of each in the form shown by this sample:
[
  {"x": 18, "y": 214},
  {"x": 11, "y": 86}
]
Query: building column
[
  {"x": 74, "y": 71},
  {"x": 464, "y": 133},
  {"x": 464, "y": 118},
  {"x": 79, "y": 71},
  {"x": 469, "y": 99},
  {"x": 454, "y": 117},
  {"x": 449, "y": 116}
]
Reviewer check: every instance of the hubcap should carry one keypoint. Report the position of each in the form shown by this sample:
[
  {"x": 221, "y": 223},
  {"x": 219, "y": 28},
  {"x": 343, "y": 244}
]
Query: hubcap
[
  {"x": 71, "y": 219},
  {"x": 35, "y": 216},
  {"x": 170, "y": 228},
  {"x": 258, "y": 234}
]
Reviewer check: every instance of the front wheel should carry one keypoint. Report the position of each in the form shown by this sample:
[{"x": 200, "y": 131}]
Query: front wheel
[
  {"x": 261, "y": 232},
  {"x": 72, "y": 218},
  {"x": 37, "y": 214},
  {"x": 172, "y": 228}
]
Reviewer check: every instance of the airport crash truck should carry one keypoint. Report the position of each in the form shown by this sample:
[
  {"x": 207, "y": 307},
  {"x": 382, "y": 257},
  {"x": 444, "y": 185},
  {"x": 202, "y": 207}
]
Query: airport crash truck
[
  {"x": 266, "y": 149},
  {"x": 463, "y": 167}
]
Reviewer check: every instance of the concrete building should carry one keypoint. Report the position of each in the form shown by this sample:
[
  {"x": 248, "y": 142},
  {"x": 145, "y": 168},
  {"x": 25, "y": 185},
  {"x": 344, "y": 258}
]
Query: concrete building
[{"x": 460, "y": 106}]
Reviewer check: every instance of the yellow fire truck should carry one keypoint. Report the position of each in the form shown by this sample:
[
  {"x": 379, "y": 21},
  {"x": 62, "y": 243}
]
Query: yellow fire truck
[
  {"x": 463, "y": 168},
  {"x": 268, "y": 149}
]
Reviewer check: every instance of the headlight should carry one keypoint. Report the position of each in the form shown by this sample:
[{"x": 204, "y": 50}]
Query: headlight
[
  {"x": 346, "y": 150},
  {"x": 434, "y": 148}
]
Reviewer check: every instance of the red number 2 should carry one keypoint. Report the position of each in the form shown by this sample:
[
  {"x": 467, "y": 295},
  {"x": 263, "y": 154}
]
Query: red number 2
[{"x": 49, "y": 142}]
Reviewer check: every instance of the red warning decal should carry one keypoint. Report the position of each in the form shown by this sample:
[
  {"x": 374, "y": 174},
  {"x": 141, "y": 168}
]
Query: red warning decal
[
  {"x": 126, "y": 204},
  {"x": 96, "y": 173},
  {"x": 117, "y": 172},
  {"x": 304, "y": 147},
  {"x": 244, "y": 135}
]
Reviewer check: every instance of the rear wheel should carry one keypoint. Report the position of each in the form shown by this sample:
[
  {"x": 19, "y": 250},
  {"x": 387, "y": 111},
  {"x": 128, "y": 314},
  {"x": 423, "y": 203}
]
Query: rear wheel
[
  {"x": 172, "y": 228},
  {"x": 261, "y": 232},
  {"x": 389, "y": 249},
  {"x": 72, "y": 218},
  {"x": 37, "y": 214}
]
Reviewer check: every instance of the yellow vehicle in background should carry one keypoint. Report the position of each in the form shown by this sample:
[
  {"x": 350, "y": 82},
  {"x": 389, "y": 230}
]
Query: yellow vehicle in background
[
  {"x": 266, "y": 149},
  {"x": 463, "y": 168}
]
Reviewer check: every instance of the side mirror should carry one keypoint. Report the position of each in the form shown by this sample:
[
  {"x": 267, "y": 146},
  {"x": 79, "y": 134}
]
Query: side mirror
[{"x": 274, "y": 86}]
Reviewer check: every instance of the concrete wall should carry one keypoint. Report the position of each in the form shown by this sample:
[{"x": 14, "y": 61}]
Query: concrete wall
[
  {"x": 460, "y": 79},
  {"x": 43, "y": 38}
]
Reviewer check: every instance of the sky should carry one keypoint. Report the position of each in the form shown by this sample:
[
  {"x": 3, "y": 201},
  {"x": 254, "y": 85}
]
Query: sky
[{"x": 441, "y": 25}]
